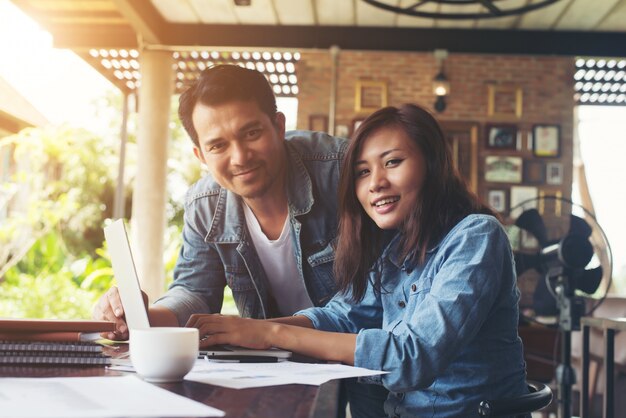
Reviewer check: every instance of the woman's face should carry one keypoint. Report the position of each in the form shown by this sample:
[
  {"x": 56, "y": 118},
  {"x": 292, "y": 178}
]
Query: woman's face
[{"x": 389, "y": 174}]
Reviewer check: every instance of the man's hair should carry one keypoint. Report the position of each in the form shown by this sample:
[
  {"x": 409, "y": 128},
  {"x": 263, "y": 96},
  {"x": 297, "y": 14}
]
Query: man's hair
[
  {"x": 443, "y": 201},
  {"x": 222, "y": 84}
]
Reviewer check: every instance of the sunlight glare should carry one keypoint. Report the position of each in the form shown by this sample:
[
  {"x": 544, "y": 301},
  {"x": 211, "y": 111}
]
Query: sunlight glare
[{"x": 55, "y": 81}]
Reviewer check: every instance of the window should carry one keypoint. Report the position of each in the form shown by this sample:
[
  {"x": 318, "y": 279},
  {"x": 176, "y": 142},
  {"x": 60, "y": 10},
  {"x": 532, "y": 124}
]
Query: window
[{"x": 603, "y": 151}]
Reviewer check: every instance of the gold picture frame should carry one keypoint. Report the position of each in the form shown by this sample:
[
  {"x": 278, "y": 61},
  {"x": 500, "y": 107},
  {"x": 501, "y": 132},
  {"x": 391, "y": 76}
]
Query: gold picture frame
[
  {"x": 509, "y": 92},
  {"x": 369, "y": 96}
]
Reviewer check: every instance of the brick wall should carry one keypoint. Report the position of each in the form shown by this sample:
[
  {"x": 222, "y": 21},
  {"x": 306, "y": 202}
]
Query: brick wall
[
  {"x": 547, "y": 98},
  {"x": 546, "y": 84}
]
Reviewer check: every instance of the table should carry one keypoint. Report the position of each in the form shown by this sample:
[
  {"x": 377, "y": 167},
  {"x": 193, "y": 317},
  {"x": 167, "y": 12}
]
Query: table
[
  {"x": 610, "y": 326},
  {"x": 297, "y": 401}
]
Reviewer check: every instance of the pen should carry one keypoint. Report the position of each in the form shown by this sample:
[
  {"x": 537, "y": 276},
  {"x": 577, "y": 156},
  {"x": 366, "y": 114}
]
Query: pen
[{"x": 241, "y": 359}]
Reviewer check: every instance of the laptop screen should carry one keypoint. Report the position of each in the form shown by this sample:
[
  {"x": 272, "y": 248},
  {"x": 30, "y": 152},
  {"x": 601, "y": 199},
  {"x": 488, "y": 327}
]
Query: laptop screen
[
  {"x": 130, "y": 293},
  {"x": 126, "y": 275}
]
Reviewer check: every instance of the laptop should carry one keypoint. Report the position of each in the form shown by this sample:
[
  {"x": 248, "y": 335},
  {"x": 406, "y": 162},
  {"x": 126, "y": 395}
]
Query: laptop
[{"x": 134, "y": 309}]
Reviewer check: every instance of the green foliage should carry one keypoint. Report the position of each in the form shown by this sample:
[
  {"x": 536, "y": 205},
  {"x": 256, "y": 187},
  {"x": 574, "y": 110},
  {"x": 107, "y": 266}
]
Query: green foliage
[
  {"x": 53, "y": 262},
  {"x": 51, "y": 244},
  {"x": 46, "y": 283},
  {"x": 65, "y": 180}
]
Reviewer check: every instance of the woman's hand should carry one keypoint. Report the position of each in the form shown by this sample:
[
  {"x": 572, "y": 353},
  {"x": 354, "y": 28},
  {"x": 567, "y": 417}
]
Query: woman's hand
[
  {"x": 221, "y": 329},
  {"x": 293, "y": 334}
]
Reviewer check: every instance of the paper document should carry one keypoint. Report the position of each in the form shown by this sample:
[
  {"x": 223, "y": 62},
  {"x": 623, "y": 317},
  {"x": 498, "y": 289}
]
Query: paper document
[
  {"x": 251, "y": 375},
  {"x": 94, "y": 397}
]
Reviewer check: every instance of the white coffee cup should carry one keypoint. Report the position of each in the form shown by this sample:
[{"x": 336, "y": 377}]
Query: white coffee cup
[{"x": 163, "y": 354}]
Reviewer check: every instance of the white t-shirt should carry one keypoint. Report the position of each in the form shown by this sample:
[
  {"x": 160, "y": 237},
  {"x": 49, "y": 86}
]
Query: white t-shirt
[{"x": 279, "y": 262}]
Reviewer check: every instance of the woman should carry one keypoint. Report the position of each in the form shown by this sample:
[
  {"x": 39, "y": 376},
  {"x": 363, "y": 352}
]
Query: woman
[{"x": 428, "y": 287}]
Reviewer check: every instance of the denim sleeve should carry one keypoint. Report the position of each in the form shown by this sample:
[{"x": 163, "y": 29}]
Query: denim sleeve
[
  {"x": 199, "y": 280},
  {"x": 472, "y": 263},
  {"x": 341, "y": 314}
]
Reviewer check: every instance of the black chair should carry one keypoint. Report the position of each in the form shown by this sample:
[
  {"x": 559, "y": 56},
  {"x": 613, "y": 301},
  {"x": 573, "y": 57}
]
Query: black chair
[{"x": 539, "y": 397}]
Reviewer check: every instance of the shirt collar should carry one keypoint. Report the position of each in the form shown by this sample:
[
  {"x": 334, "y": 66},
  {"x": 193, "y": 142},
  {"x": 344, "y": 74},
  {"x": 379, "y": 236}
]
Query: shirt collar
[
  {"x": 393, "y": 253},
  {"x": 229, "y": 222}
]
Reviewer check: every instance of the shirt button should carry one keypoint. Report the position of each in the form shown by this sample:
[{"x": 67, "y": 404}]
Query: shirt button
[
  {"x": 413, "y": 287},
  {"x": 401, "y": 304}
]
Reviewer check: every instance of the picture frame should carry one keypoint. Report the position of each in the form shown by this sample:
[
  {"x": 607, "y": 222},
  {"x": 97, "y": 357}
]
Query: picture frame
[
  {"x": 502, "y": 169},
  {"x": 534, "y": 172},
  {"x": 496, "y": 198},
  {"x": 501, "y": 136},
  {"x": 519, "y": 195},
  {"x": 504, "y": 101},
  {"x": 554, "y": 173},
  {"x": 318, "y": 122},
  {"x": 546, "y": 140},
  {"x": 369, "y": 96}
]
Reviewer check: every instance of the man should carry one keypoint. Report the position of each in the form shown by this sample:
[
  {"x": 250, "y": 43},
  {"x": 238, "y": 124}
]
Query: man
[{"x": 263, "y": 222}]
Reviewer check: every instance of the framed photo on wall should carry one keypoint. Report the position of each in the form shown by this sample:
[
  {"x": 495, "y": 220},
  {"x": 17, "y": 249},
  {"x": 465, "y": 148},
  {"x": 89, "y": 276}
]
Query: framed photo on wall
[
  {"x": 534, "y": 172},
  {"x": 554, "y": 174},
  {"x": 525, "y": 195},
  {"x": 504, "y": 101},
  {"x": 501, "y": 137},
  {"x": 547, "y": 140},
  {"x": 496, "y": 198},
  {"x": 503, "y": 169},
  {"x": 369, "y": 96}
]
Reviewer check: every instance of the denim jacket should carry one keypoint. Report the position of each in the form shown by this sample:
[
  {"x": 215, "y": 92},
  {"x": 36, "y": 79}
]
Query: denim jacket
[
  {"x": 217, "y": 249},
  {"x": 445, "y": 330}
]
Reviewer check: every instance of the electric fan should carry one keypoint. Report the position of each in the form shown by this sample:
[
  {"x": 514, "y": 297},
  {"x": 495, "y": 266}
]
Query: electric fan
[
  {"x": 582, "y": 253},
  {"x": 566, "y": 264}
]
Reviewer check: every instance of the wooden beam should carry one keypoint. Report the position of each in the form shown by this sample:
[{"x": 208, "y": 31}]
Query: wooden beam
[
  {"x": 10, "y": 124},
  {"x": 84, "y": 37},
  {"x": 488, "y": 41},
  {"x": 144, "y": 18}
]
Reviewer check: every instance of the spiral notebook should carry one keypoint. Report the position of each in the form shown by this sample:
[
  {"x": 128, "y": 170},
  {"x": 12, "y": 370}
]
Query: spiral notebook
[
  {"x": 52, "y": 353},
  {"x": 53, "y": 358},
  {"x": 132, "y": 300},
  {"x": 49, "y": 347}
]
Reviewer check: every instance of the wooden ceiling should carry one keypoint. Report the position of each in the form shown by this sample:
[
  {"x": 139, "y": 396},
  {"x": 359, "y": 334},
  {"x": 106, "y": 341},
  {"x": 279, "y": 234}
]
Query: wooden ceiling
[
  {"x": 570, "y": 27},
  {"x": 109, "y": 34}
]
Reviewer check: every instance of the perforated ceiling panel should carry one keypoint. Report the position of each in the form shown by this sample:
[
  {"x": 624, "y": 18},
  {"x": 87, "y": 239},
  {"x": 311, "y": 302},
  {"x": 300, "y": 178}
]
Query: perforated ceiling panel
[
  {"x": 122, "y": 66},
  {"x": 600, "y": 81}
]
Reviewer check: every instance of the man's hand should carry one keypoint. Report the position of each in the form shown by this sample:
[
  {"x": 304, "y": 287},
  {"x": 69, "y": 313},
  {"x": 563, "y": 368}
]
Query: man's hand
[
  {"x": 109, "y": 308},
  {"x": 221, "y": 329}
]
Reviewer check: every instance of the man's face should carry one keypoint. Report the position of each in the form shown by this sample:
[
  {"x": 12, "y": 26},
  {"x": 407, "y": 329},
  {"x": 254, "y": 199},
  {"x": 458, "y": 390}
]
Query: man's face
[{"x": 242, "y": 147}]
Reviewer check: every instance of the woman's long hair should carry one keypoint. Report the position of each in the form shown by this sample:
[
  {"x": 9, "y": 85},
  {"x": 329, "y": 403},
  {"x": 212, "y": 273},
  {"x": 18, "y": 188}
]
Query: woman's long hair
[{"x": 443, "y": 201}]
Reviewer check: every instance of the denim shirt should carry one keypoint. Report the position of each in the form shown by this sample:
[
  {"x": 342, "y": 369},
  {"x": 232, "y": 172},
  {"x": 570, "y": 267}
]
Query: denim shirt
[
  {"x": 445, "y": 330},
  {"x": 217, "y": 249}
]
